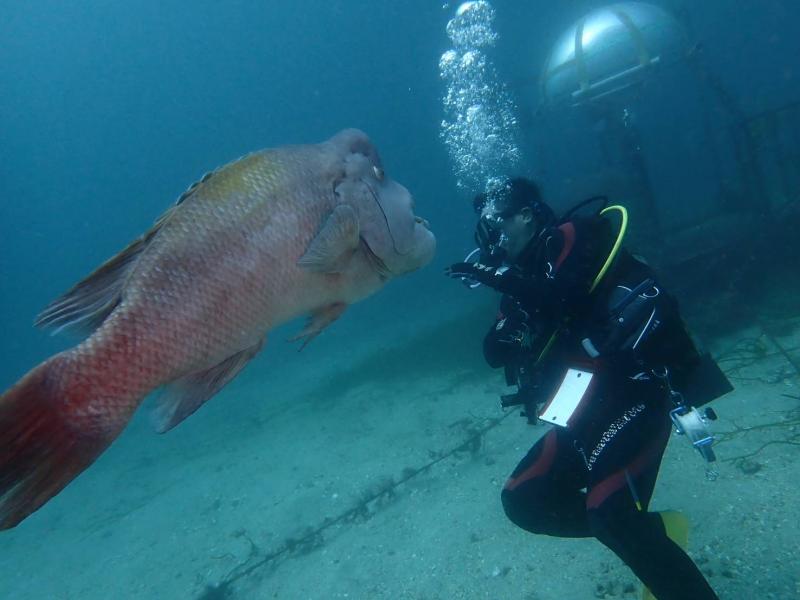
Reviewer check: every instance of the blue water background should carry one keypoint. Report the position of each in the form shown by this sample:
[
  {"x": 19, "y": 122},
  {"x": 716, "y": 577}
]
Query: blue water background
[{"x": 108, "y": 111}]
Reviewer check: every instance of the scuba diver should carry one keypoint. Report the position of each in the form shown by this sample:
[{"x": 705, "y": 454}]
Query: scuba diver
[{"x": 585, "y": 330}]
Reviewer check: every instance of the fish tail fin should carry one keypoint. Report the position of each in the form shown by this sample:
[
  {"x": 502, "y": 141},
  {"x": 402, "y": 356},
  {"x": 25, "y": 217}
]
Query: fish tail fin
[{"x": 42, "y": 448}]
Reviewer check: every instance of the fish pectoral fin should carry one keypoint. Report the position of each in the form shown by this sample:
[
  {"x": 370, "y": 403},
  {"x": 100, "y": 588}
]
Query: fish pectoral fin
[
  {"x": 185, "y": 395},
  {"x": 335, "y": 243},
  {"x": 318, "y": 321}
]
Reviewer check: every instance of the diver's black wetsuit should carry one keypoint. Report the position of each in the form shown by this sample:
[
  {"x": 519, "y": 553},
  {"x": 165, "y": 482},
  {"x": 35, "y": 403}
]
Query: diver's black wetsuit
[{"x": 585, "y": 481}]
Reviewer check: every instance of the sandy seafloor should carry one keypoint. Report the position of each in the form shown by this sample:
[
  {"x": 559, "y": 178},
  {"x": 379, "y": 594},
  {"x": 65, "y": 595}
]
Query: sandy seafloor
[{"x": 373, "y": 470}]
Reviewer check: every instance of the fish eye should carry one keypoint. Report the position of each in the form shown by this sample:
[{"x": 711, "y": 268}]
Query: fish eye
[{"x": 378, "y": 173}]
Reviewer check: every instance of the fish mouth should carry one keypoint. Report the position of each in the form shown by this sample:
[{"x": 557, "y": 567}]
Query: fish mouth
[
  {"x": 377, "y": 201},
  {"x": 376, "y": 198},
  {"x": 380, "y": 267}
]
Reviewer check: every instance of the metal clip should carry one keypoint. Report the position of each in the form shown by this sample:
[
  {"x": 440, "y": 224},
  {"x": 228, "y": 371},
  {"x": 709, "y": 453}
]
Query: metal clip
[{"x": 691, "y": 423}]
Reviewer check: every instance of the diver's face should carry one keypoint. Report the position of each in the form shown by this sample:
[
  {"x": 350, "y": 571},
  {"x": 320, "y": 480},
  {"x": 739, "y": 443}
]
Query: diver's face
[{"x": 515, "y": 232}]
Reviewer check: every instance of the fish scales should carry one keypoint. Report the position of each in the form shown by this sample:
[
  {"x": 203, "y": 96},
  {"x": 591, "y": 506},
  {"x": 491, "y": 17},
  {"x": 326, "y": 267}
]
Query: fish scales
[{"x": 277, "y": 234}]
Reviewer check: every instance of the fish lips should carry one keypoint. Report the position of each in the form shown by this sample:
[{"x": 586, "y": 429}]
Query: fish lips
[{"x": 413, "y": 244}]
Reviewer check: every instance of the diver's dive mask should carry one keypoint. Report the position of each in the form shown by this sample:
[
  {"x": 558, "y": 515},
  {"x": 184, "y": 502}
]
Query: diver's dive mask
[
  {"x": 489, "y": 239},
  {"x": 490, "y": 250}
]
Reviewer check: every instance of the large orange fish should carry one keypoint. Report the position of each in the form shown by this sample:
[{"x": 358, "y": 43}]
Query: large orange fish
[{"x": 277, "y": 234}]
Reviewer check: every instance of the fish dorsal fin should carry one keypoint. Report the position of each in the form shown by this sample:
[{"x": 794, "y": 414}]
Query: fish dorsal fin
[
  {"x": 185, "y": 395},
  {"x": 192, "y": 188},
  {"x": 335, "y": 243},
  {"x": 87, "y": 304},
  {"x": 241, "y": 161}
]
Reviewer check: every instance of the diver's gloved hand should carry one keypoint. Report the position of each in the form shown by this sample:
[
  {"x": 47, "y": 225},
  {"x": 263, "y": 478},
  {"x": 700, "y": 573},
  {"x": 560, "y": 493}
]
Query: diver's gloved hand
[
  {"x": 513, "y": 329},
  {"x": 477, "y": 272},
  {"x": 513, "y": 312},
  {"x": 504, "y": 280}
]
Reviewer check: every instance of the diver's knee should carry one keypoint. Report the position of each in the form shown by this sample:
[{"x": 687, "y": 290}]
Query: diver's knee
[
  {"x": 524, "y": 512},
  {"x": 516, "y": 512},
  {"x": 511, "y": 505}
]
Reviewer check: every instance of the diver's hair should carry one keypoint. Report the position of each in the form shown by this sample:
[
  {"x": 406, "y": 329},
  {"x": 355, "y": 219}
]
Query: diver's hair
[{"x": 518, "y": 193}]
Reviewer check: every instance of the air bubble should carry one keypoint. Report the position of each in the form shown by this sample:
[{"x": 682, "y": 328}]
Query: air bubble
[{"x": 479, "y": 126}]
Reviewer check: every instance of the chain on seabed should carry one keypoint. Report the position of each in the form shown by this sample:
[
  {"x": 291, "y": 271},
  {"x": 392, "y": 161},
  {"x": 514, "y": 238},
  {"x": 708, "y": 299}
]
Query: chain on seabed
[{"x": 479, "y": 127}]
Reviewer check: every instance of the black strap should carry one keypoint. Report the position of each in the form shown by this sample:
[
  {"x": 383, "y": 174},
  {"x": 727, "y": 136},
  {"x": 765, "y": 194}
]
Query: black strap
[
  {"x": 580, "y": 205},
  {"x": 623, "y": 302}
]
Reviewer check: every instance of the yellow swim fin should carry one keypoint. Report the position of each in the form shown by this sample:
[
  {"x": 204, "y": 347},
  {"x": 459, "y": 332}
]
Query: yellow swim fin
[{"x": 677, "y": 526}]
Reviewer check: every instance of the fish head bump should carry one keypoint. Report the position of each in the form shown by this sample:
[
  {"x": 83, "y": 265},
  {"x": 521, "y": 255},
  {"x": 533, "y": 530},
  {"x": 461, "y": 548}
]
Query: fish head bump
[{"x": 401, "y": 240}]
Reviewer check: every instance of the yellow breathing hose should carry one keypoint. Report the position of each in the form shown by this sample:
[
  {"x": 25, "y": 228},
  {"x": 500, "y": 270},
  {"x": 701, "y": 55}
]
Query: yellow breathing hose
[{"x": 617, "y": 244}]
